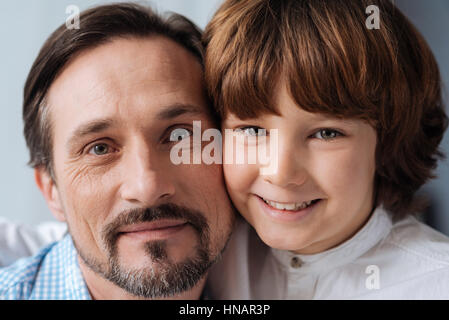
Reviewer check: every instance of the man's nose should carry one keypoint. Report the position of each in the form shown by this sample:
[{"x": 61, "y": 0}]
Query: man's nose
[
  {"x": 290, "y": 170},
  {"x": 145, "y": 177}
]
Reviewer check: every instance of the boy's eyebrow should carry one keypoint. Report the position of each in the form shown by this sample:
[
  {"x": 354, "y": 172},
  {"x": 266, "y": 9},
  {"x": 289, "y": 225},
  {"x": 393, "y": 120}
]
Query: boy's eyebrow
[{"x": 349, "y": 122}]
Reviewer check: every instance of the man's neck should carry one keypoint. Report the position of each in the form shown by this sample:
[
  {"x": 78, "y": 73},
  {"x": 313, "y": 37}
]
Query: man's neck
[{"x": 102, "y": 289}]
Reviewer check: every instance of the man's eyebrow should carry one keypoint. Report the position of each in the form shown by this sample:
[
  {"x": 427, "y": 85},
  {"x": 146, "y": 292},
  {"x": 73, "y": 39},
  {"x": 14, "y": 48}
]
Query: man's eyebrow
[
  {"x": 93, "y": 126},
  {"x": 177, "y": 110},
  {"x": 99, "y": 125}
]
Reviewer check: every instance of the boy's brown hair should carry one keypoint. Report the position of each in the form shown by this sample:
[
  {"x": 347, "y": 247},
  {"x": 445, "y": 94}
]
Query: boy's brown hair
[{"x": 334, "y": 64}]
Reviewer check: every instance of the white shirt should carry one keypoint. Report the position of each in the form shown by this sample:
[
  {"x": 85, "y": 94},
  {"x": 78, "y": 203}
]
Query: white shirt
[
  {"x": 383, "y": 260},
  {"x": 17, "y": 241}
]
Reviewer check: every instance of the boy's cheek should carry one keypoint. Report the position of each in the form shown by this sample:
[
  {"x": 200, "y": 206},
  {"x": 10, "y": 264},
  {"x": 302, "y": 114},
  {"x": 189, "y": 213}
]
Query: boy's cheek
[
  {"x": 236, "y": 176},
  {"x": 346, "y": 180},
  {"x": 239, "y": 178}
]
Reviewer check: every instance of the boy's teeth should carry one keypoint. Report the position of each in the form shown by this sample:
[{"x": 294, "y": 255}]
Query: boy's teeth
[{"x": 288, "y": 206}]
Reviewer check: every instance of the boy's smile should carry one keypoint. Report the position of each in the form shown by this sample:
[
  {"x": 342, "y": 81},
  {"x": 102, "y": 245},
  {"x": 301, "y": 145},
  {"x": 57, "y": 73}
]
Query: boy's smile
[
  {"x": 287, "y": 211},
  {"x": 322, "y": 192}
]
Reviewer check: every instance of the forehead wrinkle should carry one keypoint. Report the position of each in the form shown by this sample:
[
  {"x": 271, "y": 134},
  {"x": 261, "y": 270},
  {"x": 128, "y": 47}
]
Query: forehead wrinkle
[{"x": 178, "y": 109}]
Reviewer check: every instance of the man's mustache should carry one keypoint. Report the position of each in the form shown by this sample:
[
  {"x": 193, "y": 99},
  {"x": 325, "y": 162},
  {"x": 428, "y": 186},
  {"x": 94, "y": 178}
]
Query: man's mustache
[{"x": 165, "y": 211}]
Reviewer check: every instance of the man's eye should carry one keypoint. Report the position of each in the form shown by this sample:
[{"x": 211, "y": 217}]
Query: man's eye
[
  {"x": 100, "y": 149},
  {"x": 327, "y": 134},
  {"x": 179, "y": 134},
  {"x": 251, "y": 131}
]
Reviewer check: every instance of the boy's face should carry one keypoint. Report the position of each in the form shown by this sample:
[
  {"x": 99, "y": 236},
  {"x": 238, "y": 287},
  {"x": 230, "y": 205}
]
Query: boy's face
[{"x": 319, "y": 157}]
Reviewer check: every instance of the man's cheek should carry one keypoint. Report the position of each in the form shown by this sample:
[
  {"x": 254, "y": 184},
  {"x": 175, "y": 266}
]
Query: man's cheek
[
  {"x": 199, "y": 176},
  {"x": 89, "y": 199},
  {"x": 88, "y": 181}
]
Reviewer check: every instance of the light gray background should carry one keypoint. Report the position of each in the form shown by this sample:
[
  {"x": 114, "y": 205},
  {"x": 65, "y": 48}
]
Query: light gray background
[{"x": 24, "y": 26}]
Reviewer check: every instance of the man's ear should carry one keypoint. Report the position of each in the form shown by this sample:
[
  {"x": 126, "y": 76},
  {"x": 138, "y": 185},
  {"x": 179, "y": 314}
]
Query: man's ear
[{"x": 50, "y": 192}]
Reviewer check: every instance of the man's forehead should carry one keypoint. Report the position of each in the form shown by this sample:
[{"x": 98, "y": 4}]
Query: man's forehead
[
  {"x": 145, "y": 73},
  {"x": 143, "y": 59}
]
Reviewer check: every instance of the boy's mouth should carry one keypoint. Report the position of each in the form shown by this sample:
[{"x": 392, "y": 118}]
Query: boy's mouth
[{"x": 293, "y": 206}]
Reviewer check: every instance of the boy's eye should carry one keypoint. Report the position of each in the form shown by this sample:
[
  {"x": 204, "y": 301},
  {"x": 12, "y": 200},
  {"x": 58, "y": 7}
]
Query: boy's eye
[
  {"x": 327, "y": 134},
  {"x": 251, "y": 131},
  {"x": 100, "y": 149}
]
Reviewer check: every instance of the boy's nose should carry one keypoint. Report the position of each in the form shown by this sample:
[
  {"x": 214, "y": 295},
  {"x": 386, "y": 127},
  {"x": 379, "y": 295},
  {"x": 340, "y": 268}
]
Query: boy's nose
[{"x": 290, "y": 171}]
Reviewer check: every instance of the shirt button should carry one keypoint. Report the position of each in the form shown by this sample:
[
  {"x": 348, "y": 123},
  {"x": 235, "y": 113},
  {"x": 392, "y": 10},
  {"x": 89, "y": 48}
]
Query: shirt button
[{"x": 295, "y": 262}]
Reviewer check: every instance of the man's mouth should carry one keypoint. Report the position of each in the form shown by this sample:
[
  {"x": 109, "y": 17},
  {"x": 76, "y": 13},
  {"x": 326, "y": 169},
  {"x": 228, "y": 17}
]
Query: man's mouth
[
  {"x": 155, "y": 230},
  {"x": 153, "y": 225}
]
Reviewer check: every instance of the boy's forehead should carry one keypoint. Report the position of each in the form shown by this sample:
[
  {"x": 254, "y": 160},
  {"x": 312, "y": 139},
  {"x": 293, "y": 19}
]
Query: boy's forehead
[{"x": 298, "y": 115}]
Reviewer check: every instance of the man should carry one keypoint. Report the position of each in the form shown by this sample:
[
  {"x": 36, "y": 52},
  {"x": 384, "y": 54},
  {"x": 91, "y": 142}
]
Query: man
[{"x": 100, "y": 107}]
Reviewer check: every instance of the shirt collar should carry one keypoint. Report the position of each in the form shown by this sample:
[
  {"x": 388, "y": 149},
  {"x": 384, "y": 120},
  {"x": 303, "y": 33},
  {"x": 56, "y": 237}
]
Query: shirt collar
[
  {"x": 59, "y": 275},
  {"x": 374, "y": 230},
  {"x": 76, "y": 286}
]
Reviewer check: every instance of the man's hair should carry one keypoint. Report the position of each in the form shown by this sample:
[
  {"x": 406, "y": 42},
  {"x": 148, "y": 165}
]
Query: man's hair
[
  {"x": 334, "y": 64},
  {"x": 98, "y": 26}
]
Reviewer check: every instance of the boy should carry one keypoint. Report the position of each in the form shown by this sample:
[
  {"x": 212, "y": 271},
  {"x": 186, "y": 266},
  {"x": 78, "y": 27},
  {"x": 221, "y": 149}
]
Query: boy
[{"x": 360, "y": 117}]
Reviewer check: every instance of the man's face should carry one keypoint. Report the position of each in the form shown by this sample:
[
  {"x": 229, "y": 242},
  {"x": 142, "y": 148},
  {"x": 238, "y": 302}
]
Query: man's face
[{"x": 137, "y": 219}]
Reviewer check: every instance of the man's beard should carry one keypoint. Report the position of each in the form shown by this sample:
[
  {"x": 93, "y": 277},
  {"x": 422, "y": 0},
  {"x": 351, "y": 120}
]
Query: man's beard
[{"x": 162, "y": 277}]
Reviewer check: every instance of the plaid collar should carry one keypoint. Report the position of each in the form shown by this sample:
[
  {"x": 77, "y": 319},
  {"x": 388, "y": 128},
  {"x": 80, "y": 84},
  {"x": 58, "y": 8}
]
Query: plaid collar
[{"x": 52, "y": 274}]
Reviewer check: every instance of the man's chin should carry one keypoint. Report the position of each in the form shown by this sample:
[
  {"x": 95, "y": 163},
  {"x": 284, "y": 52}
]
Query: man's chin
[
  {"x": 159, "y": 276},
  {"x": 154, "y": 254}
]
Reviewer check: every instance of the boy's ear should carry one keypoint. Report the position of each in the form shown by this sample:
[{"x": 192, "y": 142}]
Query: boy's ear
[{"x": 50, "y": 192}]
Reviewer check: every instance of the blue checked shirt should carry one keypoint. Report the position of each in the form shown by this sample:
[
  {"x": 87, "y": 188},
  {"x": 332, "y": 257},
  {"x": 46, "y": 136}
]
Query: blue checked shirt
[{"x": 52, "y": 274}]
